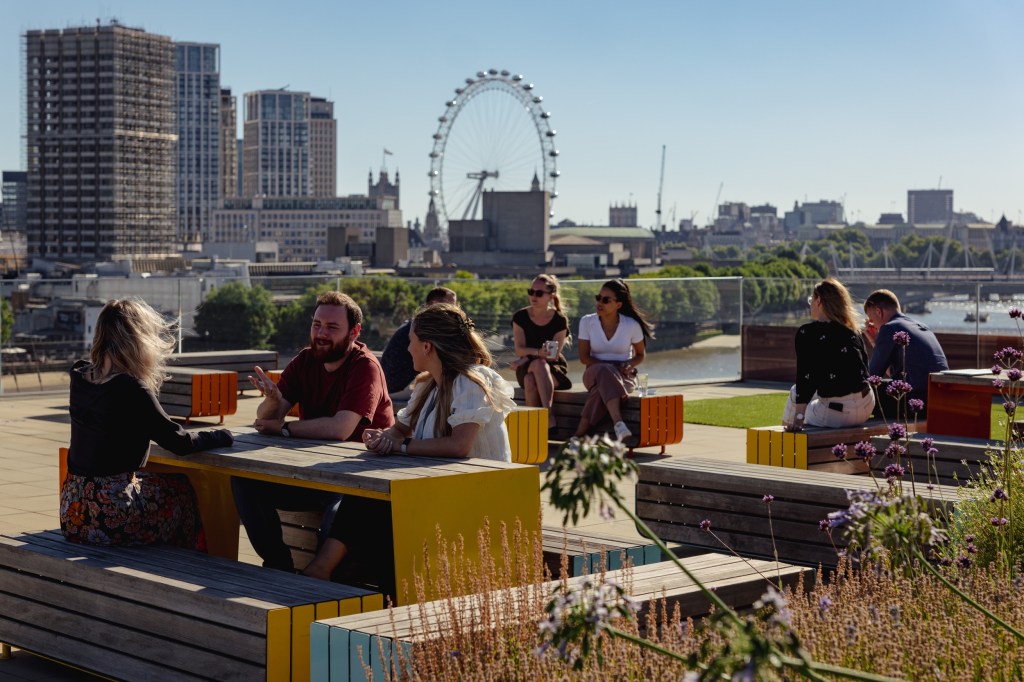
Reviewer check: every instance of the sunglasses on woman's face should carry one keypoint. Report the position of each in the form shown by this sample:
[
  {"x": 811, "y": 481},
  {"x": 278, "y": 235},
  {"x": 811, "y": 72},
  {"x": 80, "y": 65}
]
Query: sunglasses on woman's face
[
  {"x": 604, "y": 299},
  {"x": 537, "y": 292}
]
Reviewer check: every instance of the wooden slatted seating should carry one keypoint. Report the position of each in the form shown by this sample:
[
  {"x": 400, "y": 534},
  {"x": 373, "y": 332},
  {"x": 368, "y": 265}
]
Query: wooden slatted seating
[
  {"x": 162, "y": 613},
  {"x": 239, "y": 361},
  {"x": 191, "y": 392},
  {"x": 655, "y": 420},
  {"x": 958, "y": 458},
  {"x": 340, "y": 647},
  {"x": 810, "y": 448},
  {"x": 674, "y": 496}
]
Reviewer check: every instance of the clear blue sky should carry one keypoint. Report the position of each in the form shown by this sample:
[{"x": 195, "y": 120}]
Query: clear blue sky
[{"x": 779, "y": 101}]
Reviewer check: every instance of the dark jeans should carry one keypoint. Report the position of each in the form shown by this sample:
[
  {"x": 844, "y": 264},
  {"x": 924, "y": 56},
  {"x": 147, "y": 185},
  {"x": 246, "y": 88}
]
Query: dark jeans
[
  {"x": 887, "y": 406},
  {"x": 257, "y": 503}
]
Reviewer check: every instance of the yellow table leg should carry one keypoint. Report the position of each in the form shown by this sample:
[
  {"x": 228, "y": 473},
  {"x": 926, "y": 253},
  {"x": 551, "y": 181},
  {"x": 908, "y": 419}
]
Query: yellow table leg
[{"x": 5, "y": 651}]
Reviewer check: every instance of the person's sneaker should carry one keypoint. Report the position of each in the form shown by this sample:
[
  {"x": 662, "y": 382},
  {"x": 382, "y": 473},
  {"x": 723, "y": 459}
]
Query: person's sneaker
[{"x": 622, "y": 431}]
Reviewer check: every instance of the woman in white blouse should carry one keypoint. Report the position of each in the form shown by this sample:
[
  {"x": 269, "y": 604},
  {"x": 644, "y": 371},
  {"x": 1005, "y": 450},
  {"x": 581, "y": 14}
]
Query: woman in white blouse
[
  {"x": 458, "y": 404},
  {"x": 612, "y": 343},
  {"x": 455, "y": 380}
]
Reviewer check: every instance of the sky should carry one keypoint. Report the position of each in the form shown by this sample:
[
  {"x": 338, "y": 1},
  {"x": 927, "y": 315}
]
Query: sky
[{"x": 754, "y": 101}]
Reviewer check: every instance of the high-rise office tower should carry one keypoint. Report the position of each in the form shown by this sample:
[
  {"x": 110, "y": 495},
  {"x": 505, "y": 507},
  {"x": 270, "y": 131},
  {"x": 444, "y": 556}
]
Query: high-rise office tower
[
  {"x": 197, "y": 105},
  {"x": 323, "y": 148},
  {"x": 14, "y": 197},
  {"x": 228, "y": 144},
  {"x": 926, "y": 206},
  {"x": 100, "y": 137},
  {"x": 276, "y": 161}
]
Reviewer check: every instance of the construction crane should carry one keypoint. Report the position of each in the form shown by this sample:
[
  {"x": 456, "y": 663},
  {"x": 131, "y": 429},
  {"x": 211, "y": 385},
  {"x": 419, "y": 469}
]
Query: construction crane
[
  {"x": 714, "y": 209},
  {"x": 661, "y": 184}
]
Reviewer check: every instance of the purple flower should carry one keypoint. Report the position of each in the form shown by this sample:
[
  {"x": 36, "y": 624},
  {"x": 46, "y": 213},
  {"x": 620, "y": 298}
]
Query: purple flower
[
  {"x": 931, "y": 452},
  {"x": 865, "y": 450},
  {"x": 898, "y": 388},
  {"x": 897, "y": 431},
  {"x": 927, "y": 443},
  {"x": 1010, "y": 407},
  {"x": 997, "y": 383},
  {"x": 823, "y": 525},
  {"x": 963, "y": 561},
  {"x": 996, "y": 369},
  {"x": 1014, "y": 374},
  {"x": 1016, "y": 313},
  {"x": 895, "y": 450},
  {"x": 839, "y": 450},
  {"x": 998, "y": 521},
  {"x": 768, "y": 499},
  {"x": 969, "y": 538},
  {"x": 824, "y": 603},
  {"x": 705, "y": 524},
  {"x": 875, "y": 380},
  {"x": 1008, "y": 356},
  {"x": 915, "y": 404},
  {"x": 999, "y": 494},
  {"x": 972, "y": 548},
  {"x": 901, "y": 339},
  {"x": 894, "y": 471}
]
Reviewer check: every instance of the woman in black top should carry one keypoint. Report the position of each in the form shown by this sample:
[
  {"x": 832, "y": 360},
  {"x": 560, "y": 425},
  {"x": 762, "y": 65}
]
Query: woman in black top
[
  {"x": 115, "y": 413},
  {"x": 541, "y": 369},
  {"x": 831, "y": 364}
]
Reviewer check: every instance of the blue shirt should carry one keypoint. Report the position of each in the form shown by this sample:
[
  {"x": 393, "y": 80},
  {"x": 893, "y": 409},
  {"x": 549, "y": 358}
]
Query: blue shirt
[{"x": 922, "y": 357}]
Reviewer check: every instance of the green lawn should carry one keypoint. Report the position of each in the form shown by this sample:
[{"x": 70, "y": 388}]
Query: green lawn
[{"x": 765, "y": 409}]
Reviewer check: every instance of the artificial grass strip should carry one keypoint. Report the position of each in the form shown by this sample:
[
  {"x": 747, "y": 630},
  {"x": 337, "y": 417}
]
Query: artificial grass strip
[
  {"x": 741, "y": 412},
  {"x": 748, "y": 411}
]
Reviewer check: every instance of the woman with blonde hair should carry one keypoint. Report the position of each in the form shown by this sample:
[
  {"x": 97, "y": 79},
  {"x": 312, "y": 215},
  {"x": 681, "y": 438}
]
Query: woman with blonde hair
[
  {"x": 115, "y": 413},
  {"x": 831, "y": 364},
  {"x": 540, "y": 331},
  {"x": 457, "y": 409}
]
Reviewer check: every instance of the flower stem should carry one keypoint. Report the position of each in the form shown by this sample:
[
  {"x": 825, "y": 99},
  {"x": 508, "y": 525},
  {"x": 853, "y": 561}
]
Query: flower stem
[
  {"x": 646, "y": 643},
  {"x": 963, "y": 595}
]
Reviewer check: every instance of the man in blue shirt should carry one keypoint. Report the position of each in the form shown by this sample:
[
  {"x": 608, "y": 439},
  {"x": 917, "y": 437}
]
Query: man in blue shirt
[
  {"x": 912, "y": 363},
  {"x": 396, "y": 361}
]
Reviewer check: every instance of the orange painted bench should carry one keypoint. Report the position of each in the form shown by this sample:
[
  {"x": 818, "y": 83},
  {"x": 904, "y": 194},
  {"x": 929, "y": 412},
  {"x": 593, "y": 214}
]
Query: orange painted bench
[{"x": 191, "y": 392}]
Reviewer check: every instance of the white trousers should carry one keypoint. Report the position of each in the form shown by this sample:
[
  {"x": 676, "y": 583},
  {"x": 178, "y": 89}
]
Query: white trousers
[{"x": 855, "y": 409}]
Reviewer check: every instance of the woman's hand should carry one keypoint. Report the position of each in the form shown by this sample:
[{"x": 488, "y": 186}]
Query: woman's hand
[
  {"x": 627, "y": 370},
  {"x": 379, "y": 441}
]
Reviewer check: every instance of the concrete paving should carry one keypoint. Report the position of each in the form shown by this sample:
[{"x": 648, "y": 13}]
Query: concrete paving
[{"x": 34, "y": 425}]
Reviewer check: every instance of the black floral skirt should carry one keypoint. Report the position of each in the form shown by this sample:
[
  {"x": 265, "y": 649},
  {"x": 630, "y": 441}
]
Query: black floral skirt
[{"x": 136, "y": 508}]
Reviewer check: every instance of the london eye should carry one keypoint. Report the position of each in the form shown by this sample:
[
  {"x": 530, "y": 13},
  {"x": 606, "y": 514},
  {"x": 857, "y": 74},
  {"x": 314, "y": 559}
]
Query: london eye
[{"x": 493, "y": 134}]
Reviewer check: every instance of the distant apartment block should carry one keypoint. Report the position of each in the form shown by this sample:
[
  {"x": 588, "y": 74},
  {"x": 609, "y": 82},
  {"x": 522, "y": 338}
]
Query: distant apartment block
[
  {"x": 14, "y": 198},
  {"x": 812, "y": 213},
  {"x": 929, "y": 206},
  {"x": 299, "y": 225},
  {"x": 100, "y": 139},
  {"x": 229, "y": 147},
  {"x": 290, "y": 145},
  {"x": 623, "y": 215},
  {"x": 198, "y": 114},
  {"x": 323, "y": 148}
]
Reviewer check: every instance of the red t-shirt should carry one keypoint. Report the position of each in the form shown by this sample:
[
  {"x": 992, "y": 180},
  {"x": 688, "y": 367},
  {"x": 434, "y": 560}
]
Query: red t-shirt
[{"x": 357, "y": 386}]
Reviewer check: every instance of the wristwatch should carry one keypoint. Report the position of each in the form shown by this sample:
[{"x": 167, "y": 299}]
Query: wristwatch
[
  {"x": 405, "y": 445},
  {"x": 285, "y": 432}
]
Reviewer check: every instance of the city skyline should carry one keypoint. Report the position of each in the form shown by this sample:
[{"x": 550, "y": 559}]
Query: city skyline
[{"x": 805, "y": 101}]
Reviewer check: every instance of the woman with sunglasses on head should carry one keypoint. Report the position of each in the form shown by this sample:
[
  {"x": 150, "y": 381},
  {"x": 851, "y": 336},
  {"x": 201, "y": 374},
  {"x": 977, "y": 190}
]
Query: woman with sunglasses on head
[
  {"x": 831, "y": 364},
  {"x": 612, "y": 343},
  {"x": 540, "y": 331}
]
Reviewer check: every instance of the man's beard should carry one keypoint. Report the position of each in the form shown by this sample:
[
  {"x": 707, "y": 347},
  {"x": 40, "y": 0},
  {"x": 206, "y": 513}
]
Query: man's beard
[{"x": 332, "y": 353}]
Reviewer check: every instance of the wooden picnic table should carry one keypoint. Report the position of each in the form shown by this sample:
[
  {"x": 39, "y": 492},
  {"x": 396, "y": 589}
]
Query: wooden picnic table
[
  {"x": 960, "y": 402},
  {"x": 456, "y": 495}
]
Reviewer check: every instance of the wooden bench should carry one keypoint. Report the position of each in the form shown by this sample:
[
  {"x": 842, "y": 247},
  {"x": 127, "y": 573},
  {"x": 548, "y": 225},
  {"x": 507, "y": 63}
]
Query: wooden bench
[
  {"x": 810, "y": 448},
  {"x": 340, "y": 647},
  {"x": 240, "y": 362},
  {"x": 674, "y": 496},
  {"x": 958, "y": 458},
  {"x": 162, "y": 613},
  {"x": 527, "y": 430},
  {"x": 587, "y": 550},
  {"x": 654, "y": 419},
  {"x": 195, "y": 392}
]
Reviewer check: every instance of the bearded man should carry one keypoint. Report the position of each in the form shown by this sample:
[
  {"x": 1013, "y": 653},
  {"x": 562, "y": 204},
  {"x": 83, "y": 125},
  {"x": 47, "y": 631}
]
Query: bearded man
[{"x": 340, "y": 389}]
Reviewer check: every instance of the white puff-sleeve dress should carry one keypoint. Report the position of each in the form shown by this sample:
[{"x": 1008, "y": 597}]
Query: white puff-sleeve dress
[{"x": 470, "y": 405}]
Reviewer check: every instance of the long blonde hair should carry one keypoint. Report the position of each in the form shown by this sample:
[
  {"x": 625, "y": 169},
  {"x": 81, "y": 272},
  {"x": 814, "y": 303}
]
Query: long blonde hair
[
  {"x": 837, "y": 304},
  {"x": 458, "y": 347},
  {"x": 131, "y": 338}
]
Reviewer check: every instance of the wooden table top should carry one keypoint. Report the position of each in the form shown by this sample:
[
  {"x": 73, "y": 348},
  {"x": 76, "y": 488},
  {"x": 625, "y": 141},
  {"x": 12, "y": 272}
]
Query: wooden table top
[
  {"x": 970, "y": 377},
  {"x": 326, "y": 463}
]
